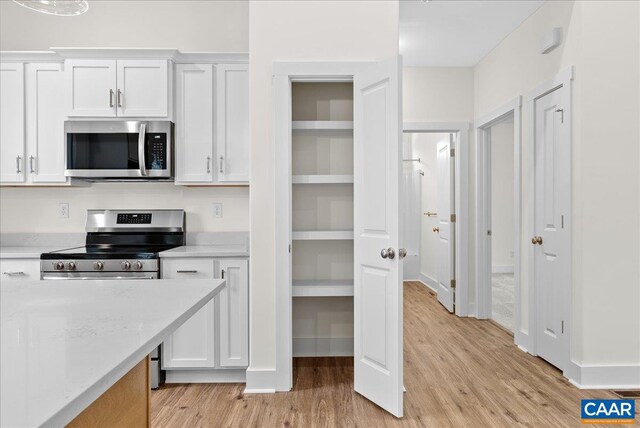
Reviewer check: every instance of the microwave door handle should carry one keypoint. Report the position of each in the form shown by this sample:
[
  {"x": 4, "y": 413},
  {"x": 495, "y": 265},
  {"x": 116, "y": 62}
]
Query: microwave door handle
[{"x": 142, "y": 137}]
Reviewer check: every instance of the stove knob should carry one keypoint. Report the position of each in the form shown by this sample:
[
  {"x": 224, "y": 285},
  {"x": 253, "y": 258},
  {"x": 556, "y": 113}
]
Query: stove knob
[
  {"x": 126, "y": 265},
  {"x": 72, "y": 265},
  {"x": 98, "y": 266},
  {"x": 58, "y": 266},
  {"x": 138, "y": 265}
]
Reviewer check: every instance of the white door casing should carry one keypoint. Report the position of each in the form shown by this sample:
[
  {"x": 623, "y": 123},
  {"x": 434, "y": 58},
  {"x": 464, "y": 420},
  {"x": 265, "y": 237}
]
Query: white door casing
[
  {"x": 445, "y": 229},
  {"x": 378, "y": 312},
  {"x": 143, "y": 88},
  {"x": 194, "y": 123},
  {"x": 12, "y": 148},
  {"x": 45, "y": 94},
  {"x": 232, "y": 122},
  {"x": 93, "y": 87},
  {"x": 551, "y": 208}
]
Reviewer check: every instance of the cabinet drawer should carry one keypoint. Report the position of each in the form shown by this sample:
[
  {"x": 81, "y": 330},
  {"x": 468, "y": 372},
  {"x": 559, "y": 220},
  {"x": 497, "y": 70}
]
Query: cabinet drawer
[
  {"x": 188, "y": 268},
  {"x": 19, "y": 269}
]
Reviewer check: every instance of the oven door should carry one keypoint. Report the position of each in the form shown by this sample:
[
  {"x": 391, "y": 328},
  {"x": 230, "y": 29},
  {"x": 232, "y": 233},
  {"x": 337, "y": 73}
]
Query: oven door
[
  {"x": 118, "y": 149},
  {"x": 99, "y": 275}
]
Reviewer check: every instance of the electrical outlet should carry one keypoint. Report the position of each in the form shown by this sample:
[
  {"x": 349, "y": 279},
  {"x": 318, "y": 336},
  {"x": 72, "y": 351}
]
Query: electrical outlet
[
  {"x": 63, "y": 210},
  {"x": 217, "y": 210}
]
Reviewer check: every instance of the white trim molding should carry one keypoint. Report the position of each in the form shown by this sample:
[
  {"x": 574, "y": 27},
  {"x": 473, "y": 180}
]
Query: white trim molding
[
  {"x": 604, "y": 376},
  {"x": 260, "y": 381},
  {"x": 461, "y": 203},
  {"x": 502, "y": 268},
  {"x": 429, "y": 282},
  {"x": 57, "y": 54}
]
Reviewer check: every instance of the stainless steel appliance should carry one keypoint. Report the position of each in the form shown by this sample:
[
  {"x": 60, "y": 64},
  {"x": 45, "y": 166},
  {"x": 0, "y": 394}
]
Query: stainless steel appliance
[
  {"x": 119, "y": 149},
  {"x": 120, "y": 244}
]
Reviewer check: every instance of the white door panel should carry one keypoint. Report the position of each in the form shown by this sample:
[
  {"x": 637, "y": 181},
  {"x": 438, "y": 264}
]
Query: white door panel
[
  {"x": 378, "y": 334},
  {"x": 12, "y": 153},
  {"x": 93, "y": 87},
  {"x": 445, "y": 229},
  {"x": 551, "y": 195},
  {"x": 143, "y": 88},
  {"x": 234, "y": 313}
]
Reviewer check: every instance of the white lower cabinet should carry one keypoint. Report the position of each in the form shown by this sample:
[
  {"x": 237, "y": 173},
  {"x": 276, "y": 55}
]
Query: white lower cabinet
[
  {"x": 217, "y": 336},
  {"x": 19, "y": 270}
]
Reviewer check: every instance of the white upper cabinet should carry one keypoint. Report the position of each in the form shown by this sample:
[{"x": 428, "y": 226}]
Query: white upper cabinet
[
  {"x": 143, "y": 89},
  {"x": 194, "y": 123},
  {"x": 45, "y": 94},
  {"x": 232, "y": 122},
  {"x": 122, "y": 88},
  {"x": 12, "y": 123},
  {"x": 92, "y": 87}
]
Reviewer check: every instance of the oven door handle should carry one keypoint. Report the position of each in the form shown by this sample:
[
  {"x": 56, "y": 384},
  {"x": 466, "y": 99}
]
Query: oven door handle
[
  {"x": 57, "y": 277},
  {"x": 142, "y": 138}
]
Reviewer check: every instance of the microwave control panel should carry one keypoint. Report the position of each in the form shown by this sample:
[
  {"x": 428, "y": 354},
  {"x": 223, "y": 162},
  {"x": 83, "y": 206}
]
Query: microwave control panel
[{"x": 156, "y": 151}]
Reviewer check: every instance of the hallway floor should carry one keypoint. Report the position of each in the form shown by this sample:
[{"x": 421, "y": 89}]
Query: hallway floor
[
  {"x": 459, "y": 372},
  {"x": 503, "y": 299}
]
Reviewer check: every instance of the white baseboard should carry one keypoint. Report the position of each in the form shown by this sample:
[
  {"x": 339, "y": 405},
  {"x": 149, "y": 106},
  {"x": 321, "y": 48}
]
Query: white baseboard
[
  {"x": 604, "y": 377},
  {"x": 260, "y": 381},
  {"x": 502, "y": 269},
  {"x": 429, "y": 282},
  {"x": 206, "y": 376},
  {"x": 323, "y": 346}
]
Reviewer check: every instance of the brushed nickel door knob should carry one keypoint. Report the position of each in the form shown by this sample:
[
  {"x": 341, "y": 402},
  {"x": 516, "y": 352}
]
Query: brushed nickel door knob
[{"x": 436, "y": 229}]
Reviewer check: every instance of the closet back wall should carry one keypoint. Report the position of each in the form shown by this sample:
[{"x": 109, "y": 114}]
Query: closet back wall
[{"x": 203, "y": 26}]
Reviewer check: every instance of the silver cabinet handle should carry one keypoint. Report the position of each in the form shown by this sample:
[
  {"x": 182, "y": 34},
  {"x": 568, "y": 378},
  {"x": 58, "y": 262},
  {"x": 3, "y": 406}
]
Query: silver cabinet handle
[
  {"x": 222, "y": 273},
  {"x": 31, "y": 167},
  {"x": 221, "y": 164},
  {"x": 387, "y": 253},
  {"x": 13, "y": 273},
  {"x": 18, "y": 158},
  {"x": 111, "y": 98},
  {"x": 208, "y": 164},
  {"x": 402, "y": 253},
  {"x": 119, "y": 98},
  {"x": 187, "y": 271}
]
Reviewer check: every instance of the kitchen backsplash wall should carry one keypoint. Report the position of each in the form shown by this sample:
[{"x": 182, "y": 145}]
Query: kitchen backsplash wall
[{"x": 37, "y": 209}]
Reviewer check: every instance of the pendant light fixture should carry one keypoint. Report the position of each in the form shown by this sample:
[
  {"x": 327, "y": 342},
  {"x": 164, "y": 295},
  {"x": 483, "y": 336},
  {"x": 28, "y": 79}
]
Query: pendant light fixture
[{"x": 56, "y": 7}]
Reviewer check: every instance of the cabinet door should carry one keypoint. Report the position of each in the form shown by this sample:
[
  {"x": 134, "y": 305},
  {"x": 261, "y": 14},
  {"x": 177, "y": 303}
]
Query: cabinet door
[
  {"x": 93, "y": 87},
  {"x": 45, "y": 123},
  {"x": 234, "y": 314},
  {"x": 143, "y": 88},
  {"x": 194, "y": 123},
  {"x": 19, "y": 269},
  {"x": 11, "y": 123},
  {"x": 193, "y": 344},
  {"x": 232, "y": 122}
]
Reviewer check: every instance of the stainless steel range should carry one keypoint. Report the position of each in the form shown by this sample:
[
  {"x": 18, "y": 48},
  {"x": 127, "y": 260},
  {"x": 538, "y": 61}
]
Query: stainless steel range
[{"x": 120, "y": 244}]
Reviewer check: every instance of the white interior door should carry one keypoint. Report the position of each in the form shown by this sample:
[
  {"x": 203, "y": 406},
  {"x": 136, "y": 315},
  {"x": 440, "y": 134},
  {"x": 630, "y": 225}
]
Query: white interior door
[
  {"x": 551, "y": 202},
  {"x": 445, "y": 228},
  {"x": 378, "y": 270}
]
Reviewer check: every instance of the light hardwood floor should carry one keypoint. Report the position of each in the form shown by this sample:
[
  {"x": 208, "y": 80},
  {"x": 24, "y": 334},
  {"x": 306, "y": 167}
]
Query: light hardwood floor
[{"x": 459, "y": 372}]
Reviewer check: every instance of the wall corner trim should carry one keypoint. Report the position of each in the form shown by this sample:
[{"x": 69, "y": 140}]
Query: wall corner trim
[{"x": 260, "y": 381}]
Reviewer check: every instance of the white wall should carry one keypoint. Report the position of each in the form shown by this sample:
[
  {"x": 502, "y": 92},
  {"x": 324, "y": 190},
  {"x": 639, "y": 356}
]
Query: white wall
[
  {"x": 502, "y": 218},
  {"x": 285, "y": 30},
  {"x": 203, "y": 26},
  {"x": 208, "y": 26},
  {"x": 601, "y": 39}
]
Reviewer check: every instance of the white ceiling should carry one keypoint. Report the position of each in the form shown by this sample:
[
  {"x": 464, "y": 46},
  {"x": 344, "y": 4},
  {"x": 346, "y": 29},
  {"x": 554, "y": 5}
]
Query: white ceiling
[{"x": 457, "y": 33}]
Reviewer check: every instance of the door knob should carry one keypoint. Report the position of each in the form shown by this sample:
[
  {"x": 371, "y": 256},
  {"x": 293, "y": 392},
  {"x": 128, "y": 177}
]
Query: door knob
[
  {"x": 536, "y": 240},
  {"x": 402, "y": 253},
  {"x": 387, "y": 253},
  {"x": 436, "y": 229}
]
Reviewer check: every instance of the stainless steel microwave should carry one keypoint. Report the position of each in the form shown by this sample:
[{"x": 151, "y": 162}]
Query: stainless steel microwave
[{"x": 119, "y": 149}]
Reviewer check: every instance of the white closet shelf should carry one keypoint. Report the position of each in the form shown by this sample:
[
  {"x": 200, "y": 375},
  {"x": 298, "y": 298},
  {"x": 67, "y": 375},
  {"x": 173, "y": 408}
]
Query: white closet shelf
[
  {"x": 318, "y": 235},
  {"x": 335, "y": 125},
  {"x": 322, "y": 179},
  {"x": 323, "y": 288}
]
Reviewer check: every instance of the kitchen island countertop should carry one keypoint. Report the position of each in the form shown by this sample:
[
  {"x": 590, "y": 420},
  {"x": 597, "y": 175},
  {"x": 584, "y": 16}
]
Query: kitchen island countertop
[{"x": 64, "y": 343}]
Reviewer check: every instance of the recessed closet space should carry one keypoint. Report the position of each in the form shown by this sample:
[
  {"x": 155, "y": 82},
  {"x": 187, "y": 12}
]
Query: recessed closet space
[{"x": 322, "y": 259}]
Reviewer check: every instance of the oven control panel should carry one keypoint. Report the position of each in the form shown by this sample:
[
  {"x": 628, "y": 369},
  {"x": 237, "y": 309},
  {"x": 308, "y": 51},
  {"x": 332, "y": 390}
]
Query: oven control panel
[{"x": 134, "y": 218}]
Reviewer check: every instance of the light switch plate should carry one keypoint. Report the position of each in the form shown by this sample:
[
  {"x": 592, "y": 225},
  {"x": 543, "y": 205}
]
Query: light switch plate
[
  {"x": 217, "y": 210},
  {"x": 63, "y": 210}
]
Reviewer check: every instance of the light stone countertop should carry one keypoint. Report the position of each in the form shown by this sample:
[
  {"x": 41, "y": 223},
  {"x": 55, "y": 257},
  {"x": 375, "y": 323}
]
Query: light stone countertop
[
  {"x": 206, "y": 251},
  {"x": 27, "y": 252},
  {"x": 64, "y": 343}
]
